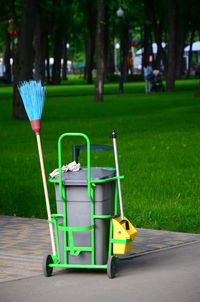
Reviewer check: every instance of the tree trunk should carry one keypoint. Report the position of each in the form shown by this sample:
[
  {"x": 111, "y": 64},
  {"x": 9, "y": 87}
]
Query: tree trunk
[
  {"x": 57, "y": 57},
  {"x": 99, "y": 87},
  {"x": 180, "y": 44},
  {"x": 197, "y": 95},
  {"x": 107, "y": 44},
  {"x": 64, "y": 67},
  {"x": 110, "y": 65},
  {"x": 121, "y": 79},
  {"x": 44, "y": 50},
  {"x": 190, "y": 54},
  {"x": 182, "y": 32},
  {"x": 23, "y": 58},
  {"x": 171, "y": 72},
  {"x": 7, "y": 55},
  {"x": 147, "y": 34},
  {"x": 158, "y": 60},
  {"x": 88, "y": 69},
  {"x": 157, "y": 29},
  {"x": 161, "y": 54},
  {"x": 38, "y": 47},
  {"x": 48, "y": 75},
  {"x": 90, "y": 45},
  {"x": 125, "y": 48},
  {"x": 89, "y": 57}
]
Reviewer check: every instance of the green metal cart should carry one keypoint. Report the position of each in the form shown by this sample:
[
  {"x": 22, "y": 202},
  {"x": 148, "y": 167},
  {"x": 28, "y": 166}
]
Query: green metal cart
[{"x": 51, "y": 261}]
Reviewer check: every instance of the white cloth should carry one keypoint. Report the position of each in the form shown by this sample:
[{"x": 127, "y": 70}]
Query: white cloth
[{"x": 71, "y": 167}]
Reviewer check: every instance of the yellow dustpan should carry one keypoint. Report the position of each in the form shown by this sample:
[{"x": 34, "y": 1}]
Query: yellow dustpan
[{"x": 122, "y": 237}]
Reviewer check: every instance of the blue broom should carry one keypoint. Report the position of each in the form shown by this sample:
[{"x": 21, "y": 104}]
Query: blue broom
[{"x": 33, "y": 96}]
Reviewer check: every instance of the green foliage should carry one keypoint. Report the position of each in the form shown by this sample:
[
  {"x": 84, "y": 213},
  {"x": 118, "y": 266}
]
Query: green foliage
[
  {"x": 114, "y": 78},
  {"x": 4, "y": 16},
  {"x": 79, "y": 28},
  {"x": 135, "y": 77}
]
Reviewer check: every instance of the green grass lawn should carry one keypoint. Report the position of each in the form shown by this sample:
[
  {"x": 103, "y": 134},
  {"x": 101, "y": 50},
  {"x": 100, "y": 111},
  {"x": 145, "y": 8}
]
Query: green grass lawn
[{"x": 158, "y": 146}]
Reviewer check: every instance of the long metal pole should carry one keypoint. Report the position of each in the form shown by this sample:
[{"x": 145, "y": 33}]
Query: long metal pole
[
  {"x": 117, "y": 174},
  {"x": 46, "y": 194}
]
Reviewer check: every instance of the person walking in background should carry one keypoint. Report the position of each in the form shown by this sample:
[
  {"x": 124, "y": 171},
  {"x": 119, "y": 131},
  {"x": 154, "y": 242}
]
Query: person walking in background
[{"x": 148, "y": 76}]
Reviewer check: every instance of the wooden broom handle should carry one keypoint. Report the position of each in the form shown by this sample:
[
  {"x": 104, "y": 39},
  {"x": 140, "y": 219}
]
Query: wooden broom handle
[{"x": 46, "y": 194}]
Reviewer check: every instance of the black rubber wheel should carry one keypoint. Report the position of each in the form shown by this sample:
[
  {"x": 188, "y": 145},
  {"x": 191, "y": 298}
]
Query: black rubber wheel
[
  {"x": 45, "y": 266},
  {"x": 111, "y": 267}
]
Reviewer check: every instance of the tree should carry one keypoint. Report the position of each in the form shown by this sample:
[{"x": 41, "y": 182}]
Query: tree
[
  {"x": 57, "y": 42},
  {"x": 147, "y": 34},
  {"x": 193, "y": 25},
  {"x": 99, "y": 86},
  {"x": 182, "y": 32},
  {"x": 125, "y": 48},
  {"x": 132, "y": 19},
  {"x": 169, "y": 59},
  {"x": 39, "y": 61},
  {"x": 171, "y": 70},
  {"x": 64, "y": 56},
  {"x": 6, "y": 34},
  {"x": 23, "y": 56},
  {"x": 7, "y": 55},
  {"x": 90, "y": 44},
  {"x": 158, "y": 15},
  {"x": 171, "y": 22},
  {"x": 61, "y": 27},
  {"x": 57, "y": 56},
  {"x": 190, "y": 53},
  {"x": 49, "y": 24},
  {"x": 197, "y": 95}
]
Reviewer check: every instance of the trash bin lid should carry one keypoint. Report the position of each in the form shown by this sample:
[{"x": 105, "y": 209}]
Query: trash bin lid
[{"x": 80, "y": 178}]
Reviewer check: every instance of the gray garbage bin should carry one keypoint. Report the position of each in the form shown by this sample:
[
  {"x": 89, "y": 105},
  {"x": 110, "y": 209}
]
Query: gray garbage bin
[{"x": 78, "y": 213}]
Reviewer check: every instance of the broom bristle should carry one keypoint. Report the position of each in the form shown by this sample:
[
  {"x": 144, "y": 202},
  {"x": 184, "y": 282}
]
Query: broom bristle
[{"x": 33, "y": 95}]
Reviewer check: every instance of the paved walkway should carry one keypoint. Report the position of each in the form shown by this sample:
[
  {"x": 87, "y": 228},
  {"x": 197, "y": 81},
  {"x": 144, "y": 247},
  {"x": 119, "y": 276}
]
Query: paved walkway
[
  {"x": 166, "y": 276},
  {"x": 24, "y": 241}
]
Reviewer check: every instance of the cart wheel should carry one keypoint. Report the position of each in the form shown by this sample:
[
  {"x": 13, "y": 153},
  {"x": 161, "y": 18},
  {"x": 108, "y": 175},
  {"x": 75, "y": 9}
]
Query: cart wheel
[
  {"x": 111, "y": 267},
  {"x": 47, "y": 271}
]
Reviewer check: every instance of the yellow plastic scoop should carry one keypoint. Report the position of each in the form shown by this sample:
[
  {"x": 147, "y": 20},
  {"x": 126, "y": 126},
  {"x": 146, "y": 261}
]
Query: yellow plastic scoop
[{"x": 122, "y": 237}]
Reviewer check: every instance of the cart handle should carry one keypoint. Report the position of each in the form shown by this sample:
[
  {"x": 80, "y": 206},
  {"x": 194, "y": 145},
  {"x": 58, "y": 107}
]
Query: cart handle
[
  {"x": 61, "y": 187},
  {"x": 93, "y": 147}
]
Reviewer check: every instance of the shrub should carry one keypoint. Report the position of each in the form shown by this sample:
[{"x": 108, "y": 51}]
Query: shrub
[{"x": 114, "y": 78}]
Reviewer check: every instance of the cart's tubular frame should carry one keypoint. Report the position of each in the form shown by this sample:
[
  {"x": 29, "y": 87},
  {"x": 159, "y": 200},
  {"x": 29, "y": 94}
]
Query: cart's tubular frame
[{"x": 75, "y": 251}]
